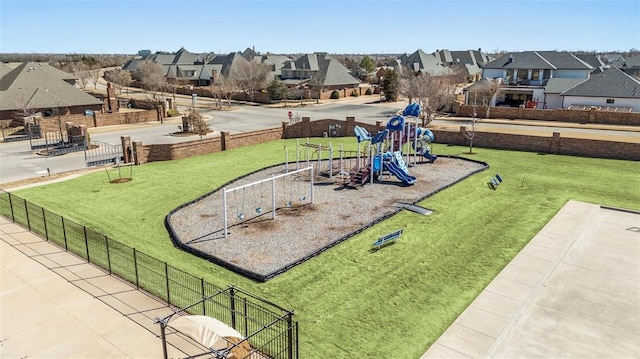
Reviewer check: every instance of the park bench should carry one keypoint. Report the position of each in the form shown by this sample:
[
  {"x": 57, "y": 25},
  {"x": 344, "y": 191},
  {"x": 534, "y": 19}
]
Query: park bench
[{"x": 387, "y": 238}]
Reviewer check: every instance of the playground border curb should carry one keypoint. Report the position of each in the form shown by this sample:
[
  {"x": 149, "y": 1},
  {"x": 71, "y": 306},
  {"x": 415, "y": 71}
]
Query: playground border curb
[{"x": 265, "y": 277}]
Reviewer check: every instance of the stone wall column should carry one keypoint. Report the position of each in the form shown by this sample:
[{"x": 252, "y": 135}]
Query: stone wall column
[
  {"x": 306, "y": 127},
  {"x": 225, "y": 140},
  {"x": 126, "y": 148},
  {"x": 555, "y": 143},
  {"x": 137, "y": 147},
  {"x": 350, "y": 125}
]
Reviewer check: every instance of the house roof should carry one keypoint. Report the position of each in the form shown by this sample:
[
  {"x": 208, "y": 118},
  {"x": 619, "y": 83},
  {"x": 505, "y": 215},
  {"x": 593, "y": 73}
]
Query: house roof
[
  {"x": 33, "y": 86},
  {"x": 557, "y": 85},
  {"x": 471, "y": 57},
  {"x": 333, "y": 73},
  {"x": 612, "y": 82},
  {"x": 426, "y": 63},
  {"x": 544, "y": 60},
  {"x": 593, "y": 60},
  {"x": 632, "y": 62}
]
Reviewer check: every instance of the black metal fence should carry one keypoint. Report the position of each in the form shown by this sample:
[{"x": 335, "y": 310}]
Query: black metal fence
[
  {"x": 20, "y": 132},
  {"x": 101, "y": 153},
  {"x": 56, "y": 143},
  {"x": 269, "y": 328}
]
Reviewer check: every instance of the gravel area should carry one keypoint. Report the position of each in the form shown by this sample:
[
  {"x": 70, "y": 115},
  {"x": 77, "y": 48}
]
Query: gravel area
[{"x": 261, "y": 247}]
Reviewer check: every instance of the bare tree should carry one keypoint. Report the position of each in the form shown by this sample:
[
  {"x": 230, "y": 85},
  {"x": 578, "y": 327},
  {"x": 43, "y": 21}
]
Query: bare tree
[
  {"x": 120, "y": 78},
  {"x": 94, "y": 76},
  {"x": 196, "y": 122},
  {"x": 151, "y": 75},
  {"x": 485, "y": 93},
  {"x": 470, "y": 134},
  {"x": 81, "y": 71},
  {"x": 249, "y": 76},
  {"x": 24, "y": 112},
  {"x": 432, "y": 93},
  {"x": 221, "y": 90},
  {"x": 317, "y": 83}
]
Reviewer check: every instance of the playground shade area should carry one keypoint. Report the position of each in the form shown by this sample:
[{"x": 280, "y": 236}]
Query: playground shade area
[{"x": 263, "y": 247}]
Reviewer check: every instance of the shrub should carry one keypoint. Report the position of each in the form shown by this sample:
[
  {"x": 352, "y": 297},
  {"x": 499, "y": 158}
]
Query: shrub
[
  {"x": 335, "y": 95},
  {"x": 354, "y": 93},
  {"x": 172, "y": 112},
  {"x": 368, "y": 92}
]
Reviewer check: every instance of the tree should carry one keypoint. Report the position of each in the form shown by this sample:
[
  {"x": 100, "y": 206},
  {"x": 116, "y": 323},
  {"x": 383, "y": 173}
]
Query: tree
[
  {"x": 120, "y": 78},
  {"x": 222, "y": 89},
  {"x": 390, "y": 85},
  {"x": 196, "y": 122},
  {"x": 151, "y": 75},
  {"x": 368, "y": 64},
  {"x": 276, "y": 89},
  {"x": 249, "y": 76},
  {"x": 432, "y": 93},
  {"x": 317, "y": 83},
  {"x": 470, "y": 134},
  {"x": 94, "y": 76},
  {"x": 485, "y": 93},
  {"x": 82, "y": 74}
]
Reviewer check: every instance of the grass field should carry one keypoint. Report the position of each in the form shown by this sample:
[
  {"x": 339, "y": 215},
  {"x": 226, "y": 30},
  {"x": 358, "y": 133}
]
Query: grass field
[{"x": 350, "y": 302}]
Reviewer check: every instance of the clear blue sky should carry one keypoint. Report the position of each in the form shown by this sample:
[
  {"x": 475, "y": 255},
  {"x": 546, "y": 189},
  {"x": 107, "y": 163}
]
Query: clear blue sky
[{"x": 304, "y": 26}]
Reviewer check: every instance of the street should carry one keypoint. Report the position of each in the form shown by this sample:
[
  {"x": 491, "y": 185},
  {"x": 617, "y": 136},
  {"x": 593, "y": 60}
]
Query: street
[{"x": 18, "y": 162}]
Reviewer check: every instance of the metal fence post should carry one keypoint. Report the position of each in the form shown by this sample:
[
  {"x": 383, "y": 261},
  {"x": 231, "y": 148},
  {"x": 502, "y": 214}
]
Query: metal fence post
[
  {"x": 13, "y": 217},
  {"x": 166, "y": 275},
  {"x": 64, "y": 233},
  {"x": 135, "y": 266},
  {"x": 26, "y": 211},
  {"x": 290, "y": 336},
  {"x": 86, "y": 243},
  {"x": 44, "y": 221},
  {"x": 106, "y": 246},
  {"x": 232, "y": 305},
  {"x": 204, "y": 302}
]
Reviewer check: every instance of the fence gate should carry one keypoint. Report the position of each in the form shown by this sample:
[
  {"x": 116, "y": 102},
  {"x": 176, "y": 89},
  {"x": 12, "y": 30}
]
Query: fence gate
[
  {"x": 15, "y": 132},
  {"x": 101, "y": 153}
]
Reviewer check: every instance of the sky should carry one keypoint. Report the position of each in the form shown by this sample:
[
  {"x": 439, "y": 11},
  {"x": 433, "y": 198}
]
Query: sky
[{"x": 306, "y": 26}]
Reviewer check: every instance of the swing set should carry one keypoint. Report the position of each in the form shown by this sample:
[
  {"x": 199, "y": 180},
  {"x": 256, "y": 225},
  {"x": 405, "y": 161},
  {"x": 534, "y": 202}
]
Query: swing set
[{"x": 264, "y": 203}]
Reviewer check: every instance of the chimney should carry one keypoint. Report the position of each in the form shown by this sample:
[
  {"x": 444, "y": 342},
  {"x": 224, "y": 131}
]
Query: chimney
[{"x": 510, "y": 60}]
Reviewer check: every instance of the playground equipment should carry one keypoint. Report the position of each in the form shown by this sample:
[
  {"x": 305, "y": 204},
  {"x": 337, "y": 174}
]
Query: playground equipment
[
  {"x": 494, "y": 182},
  {"x": 252, "y": 200},
  {"x": 386, "y": 148}
]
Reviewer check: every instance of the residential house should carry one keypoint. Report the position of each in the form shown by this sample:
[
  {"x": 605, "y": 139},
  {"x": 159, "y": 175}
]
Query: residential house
[
  {"x": 464, "y": 62},
  {"x": 632, "y": 66},
  {"x": 594, "y": 60},
  {"x": 318, "y": 68},
  {"x": 526, "y": 74},
  {"x": 30, "y": 88},
  {"x": 609, "y": 90}
]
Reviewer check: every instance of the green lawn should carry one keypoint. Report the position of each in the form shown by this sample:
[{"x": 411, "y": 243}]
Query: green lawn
[{"x": 350, "y": 302}]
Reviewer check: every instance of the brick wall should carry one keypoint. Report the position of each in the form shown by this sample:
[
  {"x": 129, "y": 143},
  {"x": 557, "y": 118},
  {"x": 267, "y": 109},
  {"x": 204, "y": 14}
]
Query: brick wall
[
  {"x": 555, "y": 144},
  {"x": 166, "y": 152},
  {"x": 50, "y": 124},
  {"x": 561, "y": 115},
  {"x": 320, "y": 128}
]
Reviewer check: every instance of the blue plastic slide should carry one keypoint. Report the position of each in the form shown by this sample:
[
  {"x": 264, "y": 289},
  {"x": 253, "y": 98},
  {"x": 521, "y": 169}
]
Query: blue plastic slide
[{"x": 400, "y": 173}]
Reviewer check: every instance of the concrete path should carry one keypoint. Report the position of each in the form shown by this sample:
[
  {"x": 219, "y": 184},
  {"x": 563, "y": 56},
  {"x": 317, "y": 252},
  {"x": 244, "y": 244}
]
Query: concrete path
[
  {"x": 53, "y": 304},
  {"x": 572, "y": 292}
]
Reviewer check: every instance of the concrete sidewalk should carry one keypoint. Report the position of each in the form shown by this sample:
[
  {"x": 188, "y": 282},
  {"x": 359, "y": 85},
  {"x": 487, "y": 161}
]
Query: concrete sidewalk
[
  {"x": 54, "y": 304},
  {"x": 572, "y": 292}
]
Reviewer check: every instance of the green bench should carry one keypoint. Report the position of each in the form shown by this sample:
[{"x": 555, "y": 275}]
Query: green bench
[{"x": 387, "y": 238}]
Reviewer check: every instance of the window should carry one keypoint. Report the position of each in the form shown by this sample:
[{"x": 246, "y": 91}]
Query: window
[
  {"x": 535, "y": 75},
  {"x": 610, "y": 101},
  {"x": 546, "y": 74}
]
